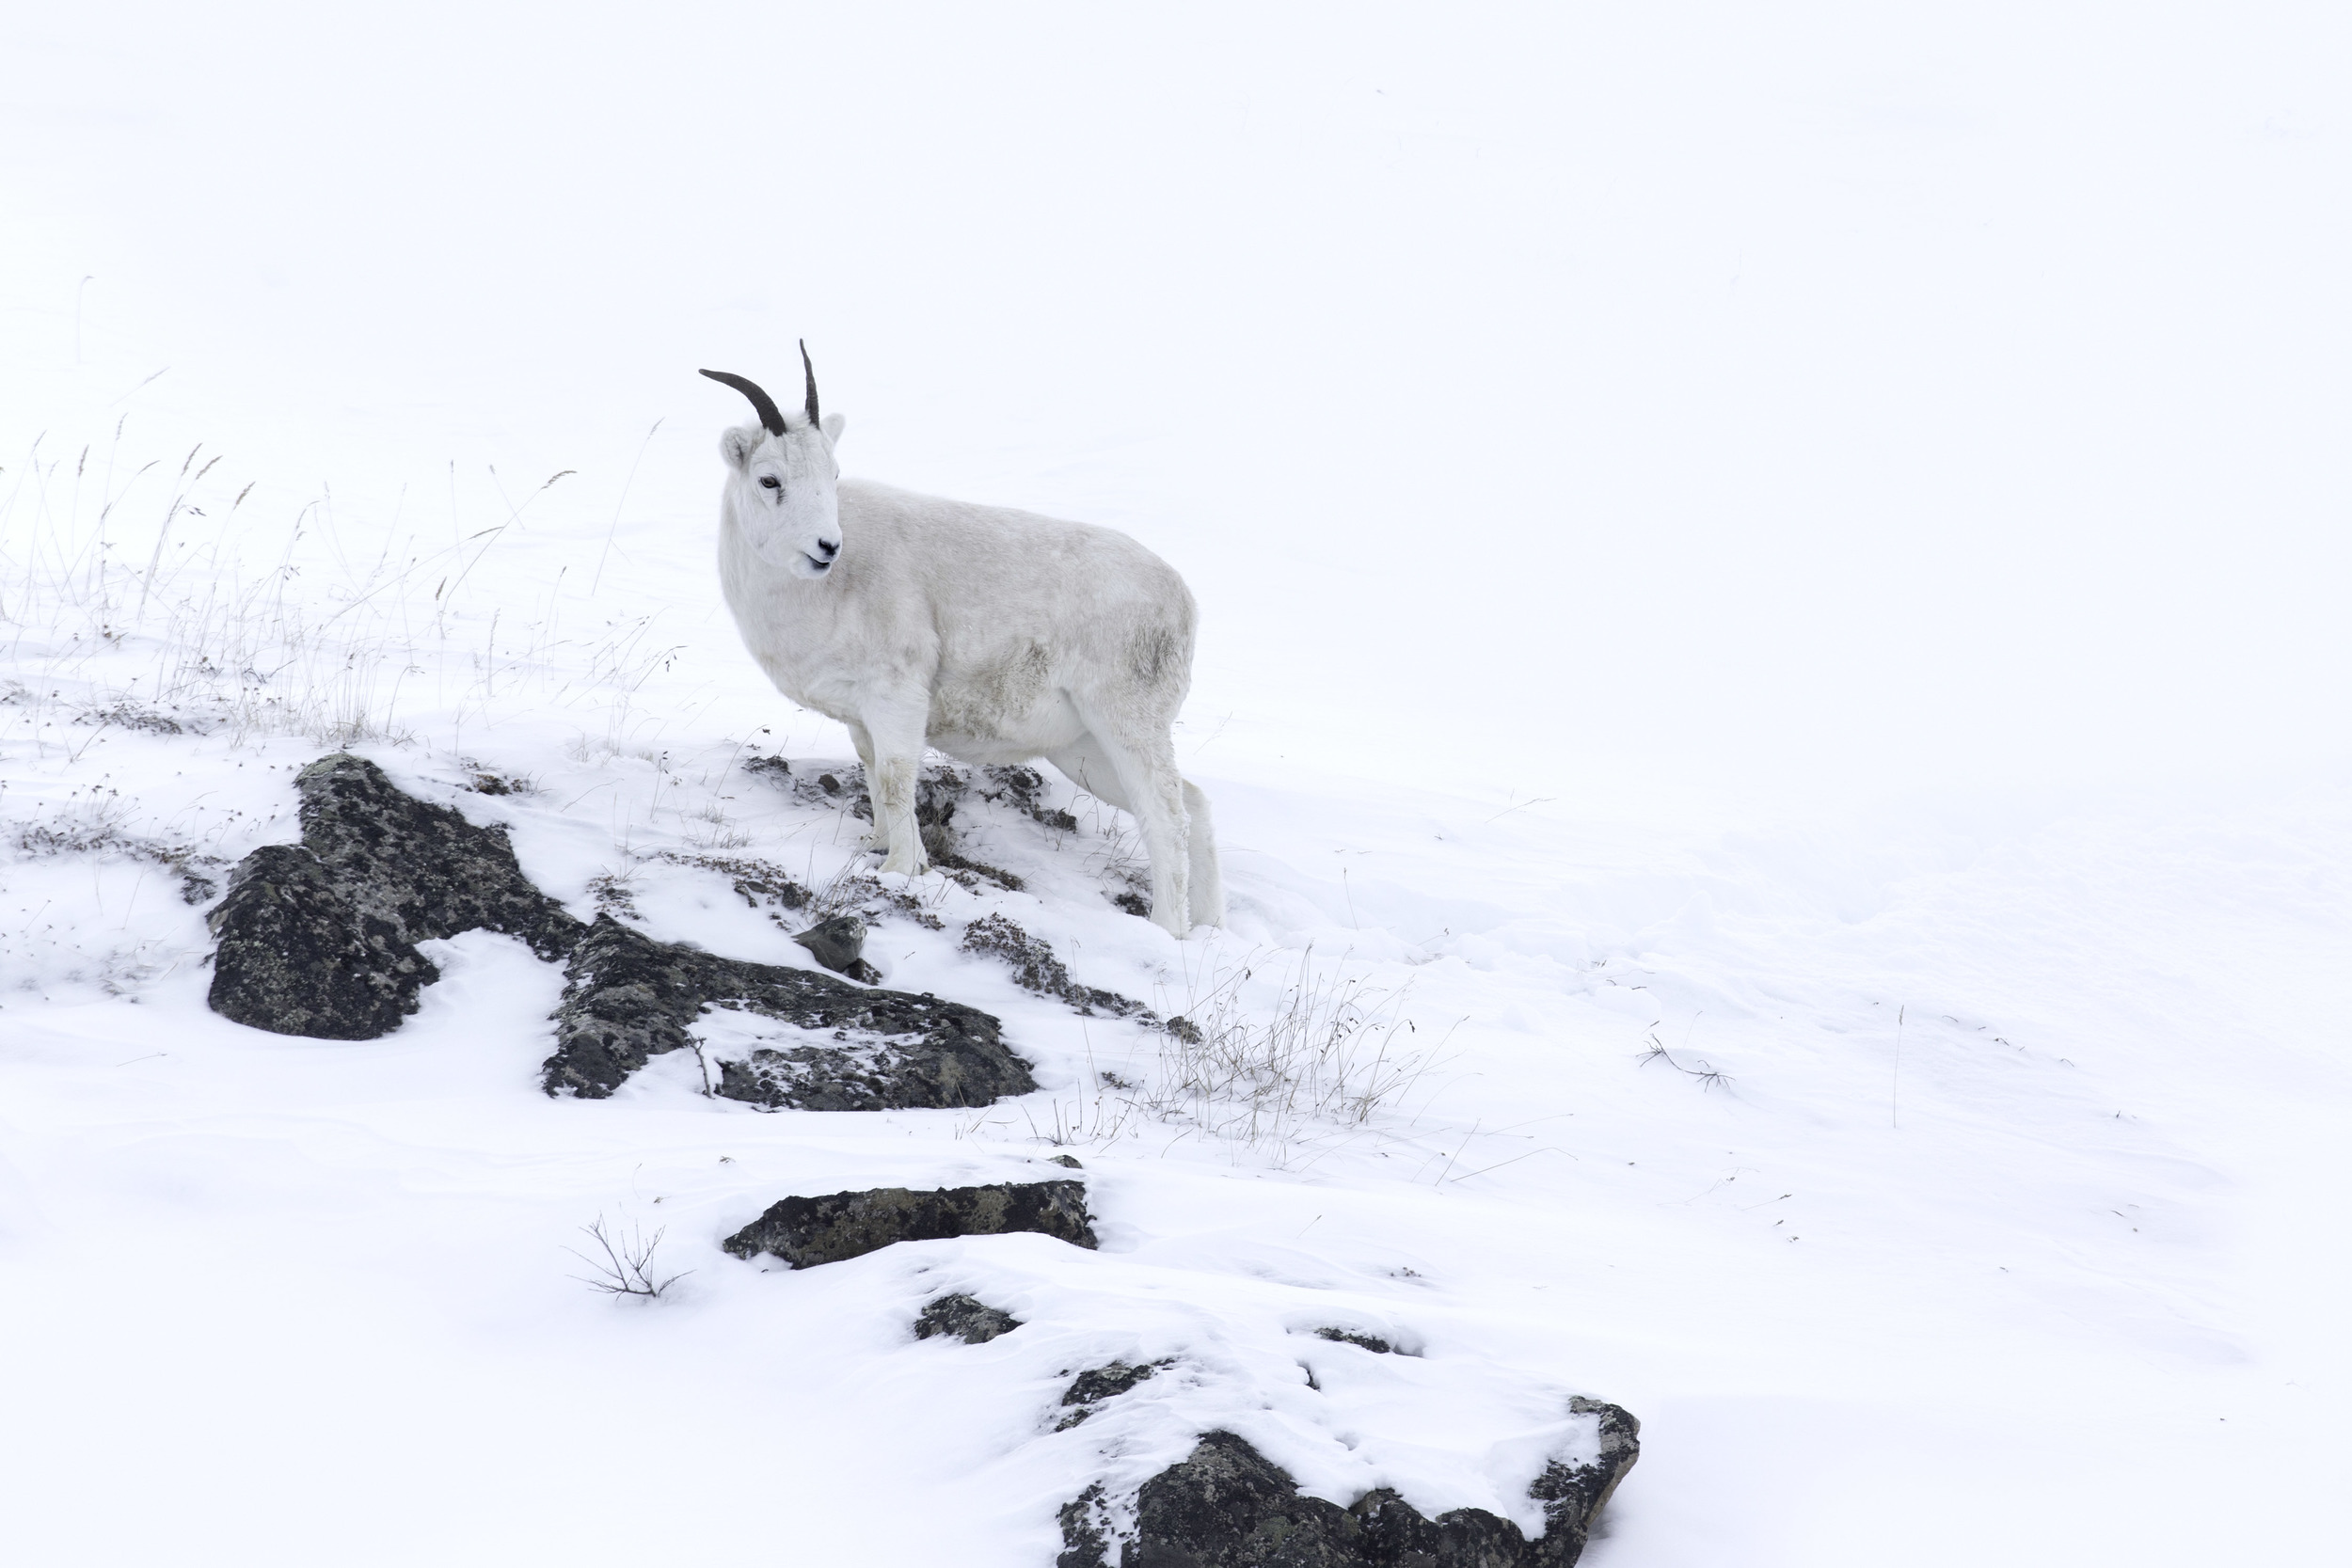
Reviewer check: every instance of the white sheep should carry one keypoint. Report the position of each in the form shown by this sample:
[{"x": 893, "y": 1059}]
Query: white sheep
[{"x": 994, "y": 636}]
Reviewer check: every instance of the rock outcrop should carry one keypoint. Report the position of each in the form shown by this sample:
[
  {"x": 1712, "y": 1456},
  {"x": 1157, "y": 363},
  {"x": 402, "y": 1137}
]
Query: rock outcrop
[
  {"x": 296, "y": 956},
  {"x": 320, "y": 938},
  {"x": 629, "y": 998},
  {"x": 839, "y": 944},
  {"x": 965, "y": 1318},
  {"x": 1089, "y": 1388},
  {"x": 1035, "y": 968},
  {"x": 806, "y": 1231},
  {"x": 1227, "y": 1506}
]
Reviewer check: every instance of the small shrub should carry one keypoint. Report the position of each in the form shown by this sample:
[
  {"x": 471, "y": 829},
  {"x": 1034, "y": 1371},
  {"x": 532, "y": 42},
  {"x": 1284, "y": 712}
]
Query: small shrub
[{"x": 622, "y": 1264}]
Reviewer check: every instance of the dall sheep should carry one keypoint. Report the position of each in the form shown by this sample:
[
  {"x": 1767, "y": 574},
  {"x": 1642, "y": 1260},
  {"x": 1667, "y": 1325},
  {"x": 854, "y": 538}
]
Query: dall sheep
[{"x": 992, "y": 635}]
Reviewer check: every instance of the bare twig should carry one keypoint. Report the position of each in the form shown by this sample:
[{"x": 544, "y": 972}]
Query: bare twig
[
  {"x": 1706, "y": 1072},
  {"x": 627, "y": 1267}
]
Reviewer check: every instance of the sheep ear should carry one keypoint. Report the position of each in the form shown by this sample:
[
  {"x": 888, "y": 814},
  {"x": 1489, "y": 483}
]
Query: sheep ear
[
  {"x": 738, "y": 444},
  {"x": 833, "y": 424}
]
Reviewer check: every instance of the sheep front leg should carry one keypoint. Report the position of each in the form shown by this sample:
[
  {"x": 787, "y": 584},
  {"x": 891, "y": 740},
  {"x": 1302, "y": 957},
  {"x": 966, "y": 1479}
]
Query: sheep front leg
[
  {"x": 875, "y": 837},
  {"x": 895, "y": 735}
]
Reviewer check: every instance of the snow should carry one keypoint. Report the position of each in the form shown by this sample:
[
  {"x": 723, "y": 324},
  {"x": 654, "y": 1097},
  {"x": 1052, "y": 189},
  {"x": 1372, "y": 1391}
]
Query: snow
[{"x": 1769, "y": 585}]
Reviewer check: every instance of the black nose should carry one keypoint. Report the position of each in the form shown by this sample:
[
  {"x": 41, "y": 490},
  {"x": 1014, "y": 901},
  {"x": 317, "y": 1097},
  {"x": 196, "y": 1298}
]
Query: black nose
[{"x": 827, "y": 550}]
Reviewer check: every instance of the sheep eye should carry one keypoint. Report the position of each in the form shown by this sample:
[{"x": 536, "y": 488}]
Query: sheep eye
[{"x": 767, "y": 482}]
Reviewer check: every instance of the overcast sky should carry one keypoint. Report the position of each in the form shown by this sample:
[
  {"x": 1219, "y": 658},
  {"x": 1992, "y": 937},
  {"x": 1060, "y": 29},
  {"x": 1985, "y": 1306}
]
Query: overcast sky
[{"x": 1728, "y": 397}]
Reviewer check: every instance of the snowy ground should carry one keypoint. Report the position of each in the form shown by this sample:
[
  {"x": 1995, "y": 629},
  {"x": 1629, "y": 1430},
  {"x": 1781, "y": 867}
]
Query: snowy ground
[{"x": 1982, "y": 1202}]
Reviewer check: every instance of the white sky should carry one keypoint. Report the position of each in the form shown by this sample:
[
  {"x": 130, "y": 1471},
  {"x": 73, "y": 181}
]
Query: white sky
[{"x": 1603, "y": 397}]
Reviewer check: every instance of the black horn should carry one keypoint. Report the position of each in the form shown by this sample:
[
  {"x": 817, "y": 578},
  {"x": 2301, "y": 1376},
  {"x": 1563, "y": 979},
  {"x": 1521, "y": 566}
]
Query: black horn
[
  {"x": 761, "y": 402},
  {"x": 812, "y": 383}
]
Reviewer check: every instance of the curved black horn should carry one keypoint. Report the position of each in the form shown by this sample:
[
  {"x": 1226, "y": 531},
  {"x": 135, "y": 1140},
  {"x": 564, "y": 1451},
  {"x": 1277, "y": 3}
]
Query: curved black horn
[
  {"x": 811, "y": 370},
  {"x": 761, "y": 402}
]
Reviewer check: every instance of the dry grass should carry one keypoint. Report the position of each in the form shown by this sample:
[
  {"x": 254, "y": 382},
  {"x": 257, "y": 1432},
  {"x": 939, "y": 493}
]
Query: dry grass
[
  {"x": 1284, "y": 1079},
  {"x": 178, "y": 605},
  {"x": 1333, "y": 1051}
]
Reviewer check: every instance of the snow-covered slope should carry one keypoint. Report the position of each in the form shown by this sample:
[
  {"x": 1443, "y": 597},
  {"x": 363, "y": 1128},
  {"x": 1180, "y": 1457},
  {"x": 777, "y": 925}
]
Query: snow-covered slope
[{"x": 1849, "y": 884}]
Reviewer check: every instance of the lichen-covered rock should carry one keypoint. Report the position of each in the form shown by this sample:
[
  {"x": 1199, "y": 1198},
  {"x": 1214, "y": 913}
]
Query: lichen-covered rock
[
  {"x": 298, "y": 957},
  {"x": 422, "y": 866},
  {"x": 1397, "y": 1534},
  {"x": 966, "y": 1318},
  {"x": 839, "y": 944},
  {"x": 1035, "y": 968},
  {"x": 1097, "y": 1383},
  {"x": 1572, "y": 1493},
  {"x": 1023, "y": 789},
  {"x": 629, "y": 998},
  {"x": 320, "y": 939},
  {"x": 806, "y": 1231},
  {"x": 1227, "y": 1506},
  {"x": 1086, "y": 1527}
]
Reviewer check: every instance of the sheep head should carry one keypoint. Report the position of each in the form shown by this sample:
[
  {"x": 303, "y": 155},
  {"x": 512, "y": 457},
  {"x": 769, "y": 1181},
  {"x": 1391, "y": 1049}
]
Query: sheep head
[{"x": 782, "y": 477}]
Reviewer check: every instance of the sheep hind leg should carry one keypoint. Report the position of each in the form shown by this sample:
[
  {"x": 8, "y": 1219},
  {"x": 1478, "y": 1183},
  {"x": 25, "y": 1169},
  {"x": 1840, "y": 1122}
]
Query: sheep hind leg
[
  {"x": 1140, "y": 778},
  {"x": 1208, "y": 873}
]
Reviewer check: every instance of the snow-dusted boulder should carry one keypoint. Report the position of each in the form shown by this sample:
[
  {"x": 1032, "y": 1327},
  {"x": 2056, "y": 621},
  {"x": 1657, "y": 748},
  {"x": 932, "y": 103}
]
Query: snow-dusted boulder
[
  {"x": 629, "y": 998},
  {"x": 1227, "y": 1506},
  {"x": 806, "y": 1231},
  {"x": 320, "y": 938},
  {"x": 965, "y": 1318}
]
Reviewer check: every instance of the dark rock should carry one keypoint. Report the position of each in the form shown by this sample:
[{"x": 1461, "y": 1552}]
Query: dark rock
[
  {"x": 758, "y": 883},
  {"x": 1226, "y": 1506},
  {"x": 1068, "y": 1162},
  {"x": 298, "y": 957},
  {"x": 1036, "y": 969},
  {"x": 422, "y": 866},
  {"x": 806, "y": 1231},
  {"x": 320, "y": 939},
  {"x": 1097, "y": 1383},
  {"x": 130, "y": 716},
  {"x": 1572, "y": 1495},
  {"x": 1372, "y": 1342},
  {"x": 1023, "y": 789},
  {"x": 937, "y": 790},
  {"x": 971, "y": 1321},
  {"x": 1085, "y": 1530},
  {"x": 945, "y": 856},
  {"x": 1104, "y": 1383},
  {"x": 839, "y": 944},
  {"x": 1134, "y": 903},
  {"x": 629, "y": 998},
  {"x": 775, "y": 765},
  {"x": 1394, "y": 1532}
]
